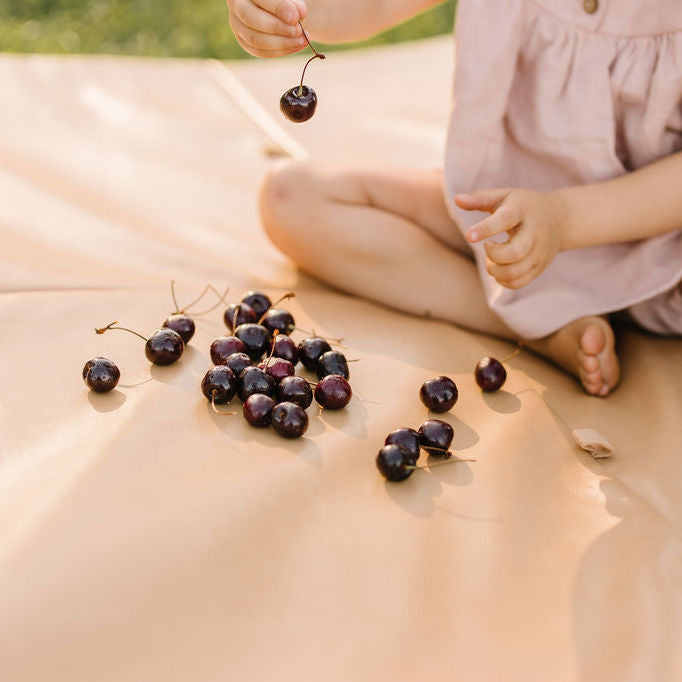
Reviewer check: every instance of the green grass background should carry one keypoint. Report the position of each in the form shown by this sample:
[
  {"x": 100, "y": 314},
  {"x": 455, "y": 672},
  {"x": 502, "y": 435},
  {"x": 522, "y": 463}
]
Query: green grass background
[{"x": 159, "y": 28}]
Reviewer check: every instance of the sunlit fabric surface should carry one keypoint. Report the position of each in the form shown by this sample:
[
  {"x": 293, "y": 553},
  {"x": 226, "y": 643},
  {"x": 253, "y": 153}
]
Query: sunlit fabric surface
[{"x": 144, "y": 538}]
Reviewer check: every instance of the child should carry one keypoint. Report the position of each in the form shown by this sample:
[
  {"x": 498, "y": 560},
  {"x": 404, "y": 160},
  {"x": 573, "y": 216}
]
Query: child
[{"x": 574, "y": 107}]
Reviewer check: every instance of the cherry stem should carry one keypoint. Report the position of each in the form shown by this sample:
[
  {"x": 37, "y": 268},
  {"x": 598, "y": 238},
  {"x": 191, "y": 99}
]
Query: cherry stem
[
  {"x": 221, "y": 300},
  {"x": 521, "y": 345},
  {"x": 300, "y": 87},
  {"x": 305, "y": 35},
  {"x": 215, "y": 409},
  {"x": 313, "y": 333},
  {"x": 272, "y": 349},
  {"x": 288, "y": 295},
  {"x": 123, "y": 329},
  {"x": 237, "y": 308},
  {"x": 175, "y": 300},
  {"x": 317, "y": 55}
]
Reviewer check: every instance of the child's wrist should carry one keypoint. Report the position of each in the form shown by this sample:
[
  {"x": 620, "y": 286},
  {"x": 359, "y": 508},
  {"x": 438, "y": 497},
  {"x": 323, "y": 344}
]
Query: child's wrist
[{"x": 564, "y": 217}]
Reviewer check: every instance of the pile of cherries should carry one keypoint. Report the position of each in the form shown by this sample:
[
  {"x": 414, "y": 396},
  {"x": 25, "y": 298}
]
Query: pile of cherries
[
  {"x": 397, "y": 459},
  {"x": 270, "y": 390}
]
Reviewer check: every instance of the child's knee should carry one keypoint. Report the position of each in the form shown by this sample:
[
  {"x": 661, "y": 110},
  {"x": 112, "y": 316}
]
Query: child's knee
[{"x": 282, "y": 197}]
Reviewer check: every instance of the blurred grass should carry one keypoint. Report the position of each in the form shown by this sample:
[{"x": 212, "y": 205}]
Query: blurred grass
[{"x": 158, "y": 28}]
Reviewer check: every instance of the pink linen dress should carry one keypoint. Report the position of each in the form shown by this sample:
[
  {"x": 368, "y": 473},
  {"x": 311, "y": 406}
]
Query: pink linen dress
[{"x": 553, "y": 93}]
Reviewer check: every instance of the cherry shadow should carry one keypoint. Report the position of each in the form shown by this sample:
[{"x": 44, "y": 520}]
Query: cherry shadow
[
  {"x": 241, "y": 436},
  {"x": 419, "y": 493},
  {"x": 107, "y": 402},
  {"x": 184, "y": 373},
  {"x": 352, "y": 419},
  {"x": 465, "y": 437},
  {"x": 502, "y": 401}
]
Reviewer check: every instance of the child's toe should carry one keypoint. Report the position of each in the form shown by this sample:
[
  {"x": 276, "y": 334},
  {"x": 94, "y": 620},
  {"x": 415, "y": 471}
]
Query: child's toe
[{"x": 590, "y": 363}]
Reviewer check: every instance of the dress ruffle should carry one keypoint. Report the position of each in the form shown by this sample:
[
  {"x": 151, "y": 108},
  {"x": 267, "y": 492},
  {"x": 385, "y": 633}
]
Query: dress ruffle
[{"x": 546, "y": 99}]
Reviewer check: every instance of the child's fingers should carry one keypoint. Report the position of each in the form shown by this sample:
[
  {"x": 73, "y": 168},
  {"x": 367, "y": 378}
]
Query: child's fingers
[
  {"x": 482, "y": 200},
  {"x": 287, "y": 10},
  {"x": 515, "y": 275},
  {"x": 505, "y": 218},
  {"x": 259, "y": 20},
  {"x": 512, "y": 251},
  {"x": 264, "y": 44}
]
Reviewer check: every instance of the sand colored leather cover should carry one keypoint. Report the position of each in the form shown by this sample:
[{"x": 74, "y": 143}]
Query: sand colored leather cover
[{"x": 144, "y": 538}]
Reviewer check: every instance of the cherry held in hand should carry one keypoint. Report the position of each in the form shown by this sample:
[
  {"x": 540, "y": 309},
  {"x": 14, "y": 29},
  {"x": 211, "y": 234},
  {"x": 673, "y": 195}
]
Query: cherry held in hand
[{"x": 298, "y": 104}]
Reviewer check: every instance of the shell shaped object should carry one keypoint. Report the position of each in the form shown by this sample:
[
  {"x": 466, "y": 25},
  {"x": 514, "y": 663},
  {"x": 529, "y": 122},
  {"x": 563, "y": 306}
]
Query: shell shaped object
[{"x": 593, "y": 442}]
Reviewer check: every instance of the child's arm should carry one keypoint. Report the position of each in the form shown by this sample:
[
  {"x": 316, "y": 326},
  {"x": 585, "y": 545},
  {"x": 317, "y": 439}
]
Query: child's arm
[
  {"x": 269, "y": 28},
  {"x": 641, "y": 204},
  {"x": 338, "y": 21}
]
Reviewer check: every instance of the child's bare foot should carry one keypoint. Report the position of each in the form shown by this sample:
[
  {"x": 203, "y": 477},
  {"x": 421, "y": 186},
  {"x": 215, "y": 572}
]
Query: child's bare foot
[{"x": 586, "y": 348}]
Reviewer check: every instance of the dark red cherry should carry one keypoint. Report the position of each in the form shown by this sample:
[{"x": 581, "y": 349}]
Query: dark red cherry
[
  {"x": 101, "y": 375},
  {"x": 439, "y": 394},
  {"x": 435, "y": 436},
  {"x": 395, "y": 463},
  {"x": 238, "y": 362},
  {"x": 406, "y": 438},
  {"x": 219, "y": 384},
  {"x": 310, "y": 350},
  {"x": 278, "y": 368},
  {"x": 256, "y": 338},
  {"x": 279, "y": 319},
  {"x": 164, "y": 347},
  {"x": 299, "y": 103},
  {"x": 254, "y": 380},
  {"x": 295, "y": 390},
  {"x": 238, "y": 313},
  {"x": 333, "y": 392},
  {"x": 225, "y": 346},
  {"x": 490, "y": 374},
  {"x": 332, "y": 362},
  {"x": 182, "y": 324},
  {"x": 257, "y": 409},
  {"x": 286, "y": 348},
  {"x": 257, "y": 301},
  {"x": 289, "y": 420}
]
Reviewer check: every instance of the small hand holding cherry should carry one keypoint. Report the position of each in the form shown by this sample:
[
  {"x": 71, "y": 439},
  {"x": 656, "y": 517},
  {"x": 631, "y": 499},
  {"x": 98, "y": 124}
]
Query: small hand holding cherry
[
  {"x": 534, "y": 222},
  {"x": 268, "y": 28}
]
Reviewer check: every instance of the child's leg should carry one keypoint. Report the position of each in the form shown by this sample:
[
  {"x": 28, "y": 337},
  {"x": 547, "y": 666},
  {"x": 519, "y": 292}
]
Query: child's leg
[
  {"x": 387, "y": 236},
  {"x": 383, "y": 235}
]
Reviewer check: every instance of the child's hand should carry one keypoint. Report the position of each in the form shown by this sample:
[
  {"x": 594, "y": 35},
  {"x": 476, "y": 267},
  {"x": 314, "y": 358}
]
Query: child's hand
[
  {"x": 268, "y": 28},
  {"x": 535, "y": 223}
]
